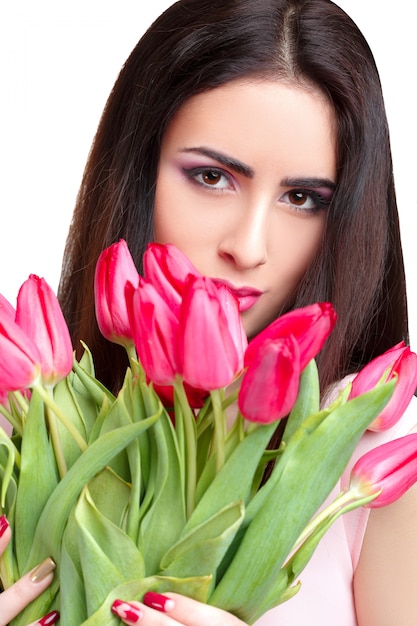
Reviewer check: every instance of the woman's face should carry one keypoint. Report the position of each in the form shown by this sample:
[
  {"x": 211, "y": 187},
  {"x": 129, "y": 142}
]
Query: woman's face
[{"x": 245, "y": 178}]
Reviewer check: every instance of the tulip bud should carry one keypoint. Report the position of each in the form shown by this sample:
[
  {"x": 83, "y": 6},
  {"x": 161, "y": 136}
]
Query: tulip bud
[
  {"x": 6, "y": 307},
  {"x": 270, "y": 385},
  {"x": 39, "y": 314},
  {"x": 167, "y": 268},
  {"x": 398, "y": 362},
  {"x": 155, "y": 332},
  {"x": 114, "y": 269},
  {"x": 211, "y": 338},
  {"x": 310, "y": 326},
  {"x": 20, "y": 359},
  {"x": 391, "y": 469}
]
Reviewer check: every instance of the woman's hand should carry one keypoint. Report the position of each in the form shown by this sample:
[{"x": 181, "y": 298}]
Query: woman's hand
[
  {"x": 172, "y": 610},
  {"x": 19, "y": 595}
]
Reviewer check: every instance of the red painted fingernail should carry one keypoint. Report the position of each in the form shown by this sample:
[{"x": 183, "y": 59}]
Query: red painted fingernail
[
  {"x": 127, "y": 611},
  {"x": 158, "y": 601},
  {"x": 49, "y": 619},
  {"x": 4, "y": 525}
]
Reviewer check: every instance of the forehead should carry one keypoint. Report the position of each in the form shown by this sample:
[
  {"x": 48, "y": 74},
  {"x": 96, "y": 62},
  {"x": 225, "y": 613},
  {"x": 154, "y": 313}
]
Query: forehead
[{"x": 260, "y": 121}]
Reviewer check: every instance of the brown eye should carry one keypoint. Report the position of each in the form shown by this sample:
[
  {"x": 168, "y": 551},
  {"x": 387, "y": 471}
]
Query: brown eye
[
  {"x": 211, "y": 177},
  {"x": 298, "y": 198}
]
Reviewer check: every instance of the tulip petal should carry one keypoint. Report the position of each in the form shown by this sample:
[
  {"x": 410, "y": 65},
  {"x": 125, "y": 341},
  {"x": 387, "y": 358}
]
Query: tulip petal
[
  {"x": 310, "y": 326},
  {"x": 6, "y": 308},
  {"x": 398, "y": 362},
  {"x": 39, "y": 314},
  {"x": 211, "y": 345},
  {"x": 167, "y": 268},
  {"x": 115, "y": 268},
  {"x": 20, "y": 358},
  {"x": 270, "y": 385},
  {"x": 155, "y": 333},
  {"x": 391, "y": 467}
]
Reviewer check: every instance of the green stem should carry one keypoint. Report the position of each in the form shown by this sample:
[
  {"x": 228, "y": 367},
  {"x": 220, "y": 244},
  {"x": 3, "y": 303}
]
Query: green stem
[
  {"x": 21, "y": 401},
  {"x": 56, "y": 439},
  {"x": 345, "y": 501},
  {"x": 16, "y": 424},
  {"x": 219, "y": 428},
  {"x": 133, "y": 358},
  {"x": 190, "y": 446},
  {"x": 50, "y": 402}
]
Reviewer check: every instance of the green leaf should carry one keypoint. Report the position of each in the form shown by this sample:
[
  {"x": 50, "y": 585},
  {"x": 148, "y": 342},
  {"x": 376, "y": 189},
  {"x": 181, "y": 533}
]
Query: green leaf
[
  {"x": 131, "y": 396},
  {"x": 8, "y": 565},
  {"x": 48, "y": 535},
  {"x": 310, "y": 466},
  {"x": 8, "y": 455},
  {"x": 55, "y": 513},
  {"x": 207, "y": 473},
  {"x": 111, "y": 495},
  {"x": 65, "y": 398},
  {"x": 108, "y": 556},
  {"x": 89, "y": 394},
  {"x": 37, "y": 480},
  {"x": 84, "y": 370},
  {"x": 165, "y": 518},
  {"x": 201, "y": 551},
  {"x": 234, "y": 480},
  {"x": 72, "y": 601},
  {"x": 196, "y": 587},
  {"x": 308, "y": 399}
]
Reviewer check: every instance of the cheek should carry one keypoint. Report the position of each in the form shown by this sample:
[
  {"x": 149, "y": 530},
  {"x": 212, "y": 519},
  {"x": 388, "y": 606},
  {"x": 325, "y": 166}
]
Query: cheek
[
  {"x": 174, "y": 226},
  {"x": 183, "y": 219},
  {"x": 295, "y": 251},
  {"x": 175, "y": 217}
]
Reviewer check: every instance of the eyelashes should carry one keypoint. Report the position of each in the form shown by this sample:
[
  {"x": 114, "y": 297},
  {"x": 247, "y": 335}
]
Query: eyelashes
[
  {"x": 210, "y": 177},
  {"x": 300, "y": 199},
  {"x": 308, "y": 200}
]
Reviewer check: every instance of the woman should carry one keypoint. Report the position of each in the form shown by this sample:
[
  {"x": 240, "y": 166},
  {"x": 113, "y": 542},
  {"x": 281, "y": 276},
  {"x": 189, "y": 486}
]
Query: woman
[{"x": 252, "y": 134}]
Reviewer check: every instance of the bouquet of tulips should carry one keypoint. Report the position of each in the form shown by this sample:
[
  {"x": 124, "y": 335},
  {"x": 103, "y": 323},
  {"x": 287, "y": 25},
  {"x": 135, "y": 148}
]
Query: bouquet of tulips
[{"x": 151, "y": 489}]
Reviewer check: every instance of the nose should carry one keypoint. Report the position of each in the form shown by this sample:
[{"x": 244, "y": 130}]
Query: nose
[{"x": 245, "y": 242}]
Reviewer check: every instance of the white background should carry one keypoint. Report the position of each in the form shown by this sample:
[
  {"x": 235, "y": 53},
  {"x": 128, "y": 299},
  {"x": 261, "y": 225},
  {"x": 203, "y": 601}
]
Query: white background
[{"x": 58, "y": 62}]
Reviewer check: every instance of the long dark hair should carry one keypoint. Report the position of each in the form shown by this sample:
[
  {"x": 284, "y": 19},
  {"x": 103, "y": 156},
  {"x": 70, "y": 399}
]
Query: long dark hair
[{"x": 197, "y": 45}]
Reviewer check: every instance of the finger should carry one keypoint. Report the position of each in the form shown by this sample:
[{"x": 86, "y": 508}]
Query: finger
[
  {"x": 190, "y": 612},
  {"x": 172, "y": 610},
  {"x": 14, "y": 599},
  {"x": 135, "y": 612},
  {"x": 47, "y": 620}
]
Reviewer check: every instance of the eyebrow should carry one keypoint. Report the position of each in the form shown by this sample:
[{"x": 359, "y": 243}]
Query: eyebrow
[
  {"x": 224, "y": 159},
  {"x": 249, "y": 172},
  {"x": 309, "y": 183}
]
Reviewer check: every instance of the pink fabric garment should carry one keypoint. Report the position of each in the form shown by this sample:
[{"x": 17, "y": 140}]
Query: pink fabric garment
[
  {"x": 5, "y": 425},
  {"x": 326, "y": 595}
]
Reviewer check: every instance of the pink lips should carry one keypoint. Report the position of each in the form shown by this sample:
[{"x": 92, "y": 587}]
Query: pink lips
[{"x": 246, "y": 296}]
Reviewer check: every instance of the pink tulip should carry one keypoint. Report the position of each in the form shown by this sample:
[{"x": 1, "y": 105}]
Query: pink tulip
[
  {"x": 6, "y": 307},
  {"x": 167, "y": 268},
  {"x": 398, "y": 361},
  {"x": 20, "y": 362},
  {"x": 39, "y": 315},
  {"x": 270, "y": 385},
  {"x": 211, "y": 338},
  {"x": 115, "y": 267},
  {"x": 310, "y": 326},
  {"x": 195, "y": 397},
  {"x": 390, "y": 468},
  {"x": 155, "y": 332}
]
